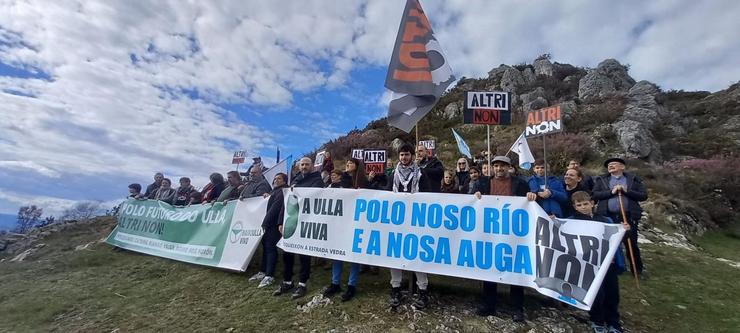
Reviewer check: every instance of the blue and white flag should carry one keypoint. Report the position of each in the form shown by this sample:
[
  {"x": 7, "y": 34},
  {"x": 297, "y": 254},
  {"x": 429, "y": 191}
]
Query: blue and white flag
[
  {"x": 521, "y": 148},
  {"x": 284, "y": 167},
  {"x": 461, "y": 145}
]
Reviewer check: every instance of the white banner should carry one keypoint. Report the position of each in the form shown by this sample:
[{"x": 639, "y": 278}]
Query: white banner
[{"x": 500, "y": 239}]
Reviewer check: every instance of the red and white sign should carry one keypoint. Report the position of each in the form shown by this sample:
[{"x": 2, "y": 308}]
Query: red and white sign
[{"x": 239, "y": 157}]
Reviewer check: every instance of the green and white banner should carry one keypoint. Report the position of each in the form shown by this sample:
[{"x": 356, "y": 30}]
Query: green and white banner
[
  {"x": 219, "y": 235},
  {"x": 496, "y": 238}
]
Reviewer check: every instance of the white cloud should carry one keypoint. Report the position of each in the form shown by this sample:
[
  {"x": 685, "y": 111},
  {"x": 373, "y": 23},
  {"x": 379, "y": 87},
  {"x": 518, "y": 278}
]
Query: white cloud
[
  {"x": 50, "y": 205},
  {"x": 120, "y": 78},
  {"x": 30, "y": 166}
]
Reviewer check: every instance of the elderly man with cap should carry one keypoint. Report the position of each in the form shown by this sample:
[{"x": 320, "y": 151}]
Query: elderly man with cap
[
  {"x": 607, "y": 189},
  {"x": 502, "y": 183}
]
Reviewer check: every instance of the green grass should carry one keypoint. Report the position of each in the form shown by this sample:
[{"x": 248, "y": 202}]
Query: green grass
[
  {"x": 58, "y": 289},
  {"x": 721, "y": 243}
]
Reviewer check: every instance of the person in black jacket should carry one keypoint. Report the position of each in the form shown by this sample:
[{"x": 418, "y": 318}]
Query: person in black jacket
[
  {"x": 478, "y": 182},
  {"x": 354, "y": 178},
  {"x": 271, "y": 236},
  {"x": 462, "y": 175},
  {"x": 305, "y": 178},
  {"x": 587, "y": 182},
  {"x": 431, "y": 167},
  {"x": 409, "y": 178},
  {"x": 607, "y": 189},
  {"x": 153, "y": 187},
  {"x": 502, "y": 183},
  {"x": 134, "y": 191}
]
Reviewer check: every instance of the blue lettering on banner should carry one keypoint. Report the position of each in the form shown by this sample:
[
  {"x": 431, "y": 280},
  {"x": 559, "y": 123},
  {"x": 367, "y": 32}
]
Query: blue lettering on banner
[
  {"x": 356, "y": 240},
  {"x": 375, "y": 211},
  {"x": 478, "y": 254},
  {"x": 502, "y": 222}
]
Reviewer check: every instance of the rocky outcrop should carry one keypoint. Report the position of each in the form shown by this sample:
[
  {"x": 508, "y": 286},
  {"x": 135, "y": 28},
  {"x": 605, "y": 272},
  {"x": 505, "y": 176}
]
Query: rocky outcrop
[
  {"x": 532, "y": 95},
  {"x": 511, "y": 80},
  {"x": 452, "y": 110},
  {"x": 529, "y": 76},
  {"x": 543, "y": 67},
  {"x": 395, "y": 144},
  {"x": 497, "y": 72},
  {"x": 538, "y": 103},
  {"x": 635, "y": 127},
  {"x": 608, "y": 78}
]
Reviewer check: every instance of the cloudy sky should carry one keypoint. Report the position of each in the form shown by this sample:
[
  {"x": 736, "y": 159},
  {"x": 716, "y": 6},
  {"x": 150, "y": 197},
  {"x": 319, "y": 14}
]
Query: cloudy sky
[{"x": 95, "y": 95}]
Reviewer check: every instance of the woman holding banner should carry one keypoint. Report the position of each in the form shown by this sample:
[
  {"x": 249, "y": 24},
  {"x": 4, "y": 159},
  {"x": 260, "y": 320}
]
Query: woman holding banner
[{"x": 353, "y": 177}]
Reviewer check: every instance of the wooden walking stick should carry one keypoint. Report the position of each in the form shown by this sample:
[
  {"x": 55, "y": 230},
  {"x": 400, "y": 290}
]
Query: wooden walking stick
[{"x": 629, "y": 240}]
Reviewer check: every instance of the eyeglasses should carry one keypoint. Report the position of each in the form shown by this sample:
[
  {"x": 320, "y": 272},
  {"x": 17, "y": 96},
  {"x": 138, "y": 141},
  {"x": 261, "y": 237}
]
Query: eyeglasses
[{"x": 462, "y": 163}]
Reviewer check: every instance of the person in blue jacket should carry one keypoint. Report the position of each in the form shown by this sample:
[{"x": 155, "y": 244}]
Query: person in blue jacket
[
  {"x": 604, "y": 313},
  {"x": 550, "y": 194}
]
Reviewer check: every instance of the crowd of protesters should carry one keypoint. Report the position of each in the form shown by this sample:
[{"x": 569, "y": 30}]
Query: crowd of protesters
[{"x": 575, "y": 195}]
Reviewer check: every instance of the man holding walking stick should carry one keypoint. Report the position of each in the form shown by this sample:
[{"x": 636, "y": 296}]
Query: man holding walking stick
[{"x": 620, "y": 191}]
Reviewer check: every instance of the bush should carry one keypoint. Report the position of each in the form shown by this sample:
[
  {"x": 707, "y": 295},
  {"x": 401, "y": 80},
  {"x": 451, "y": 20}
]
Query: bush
[
  {"x": 712, "y": 184},
  {"x": 561, "y": 148}
]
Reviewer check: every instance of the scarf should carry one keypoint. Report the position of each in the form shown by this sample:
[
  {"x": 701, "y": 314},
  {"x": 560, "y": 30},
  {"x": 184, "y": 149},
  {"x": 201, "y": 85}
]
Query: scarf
[{"x": 406, "y": 176}]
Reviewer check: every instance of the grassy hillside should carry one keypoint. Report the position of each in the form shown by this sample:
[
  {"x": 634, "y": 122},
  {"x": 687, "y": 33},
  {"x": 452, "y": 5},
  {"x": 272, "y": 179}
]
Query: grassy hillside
[{"x": 98, "y": 289}]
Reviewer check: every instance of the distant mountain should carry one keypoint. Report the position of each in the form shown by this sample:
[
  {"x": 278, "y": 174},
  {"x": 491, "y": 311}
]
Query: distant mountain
[{"x": 7, "y": 221}]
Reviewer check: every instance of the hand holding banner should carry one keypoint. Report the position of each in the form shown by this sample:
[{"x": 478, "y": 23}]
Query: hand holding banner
[{"x": 499, "y": 239}]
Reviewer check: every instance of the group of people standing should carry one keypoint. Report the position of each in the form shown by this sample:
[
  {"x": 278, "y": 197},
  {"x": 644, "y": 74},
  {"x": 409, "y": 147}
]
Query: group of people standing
[{"x": 575, "y": 195}]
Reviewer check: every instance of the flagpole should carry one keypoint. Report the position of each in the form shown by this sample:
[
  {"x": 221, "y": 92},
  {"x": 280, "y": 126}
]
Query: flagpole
[
  {"x": 416, "y": 128},
  {"x": 544, "y": 155},
  {"x": 488, "y": 138}
]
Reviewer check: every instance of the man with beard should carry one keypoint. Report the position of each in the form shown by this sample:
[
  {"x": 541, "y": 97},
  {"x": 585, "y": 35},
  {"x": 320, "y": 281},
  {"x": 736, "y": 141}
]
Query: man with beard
[
  {"x": 408, "y": 177},
  {"x": 256, "y": 185},
  {"x": 431, "y": 167},
  {"x": 502, "y": 183},
  {"x": 305, "y": 178}
]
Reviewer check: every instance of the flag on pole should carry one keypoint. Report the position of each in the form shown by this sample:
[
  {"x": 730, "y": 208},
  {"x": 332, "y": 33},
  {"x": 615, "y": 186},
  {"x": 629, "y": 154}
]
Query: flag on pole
[
  {"x": 418, "y": 73},
  {"x": 284, "y": 167},
  {"x": 277, "y": 159},
  {"x": 521, "y": 148},
  {"x": 461, "y": 145}
]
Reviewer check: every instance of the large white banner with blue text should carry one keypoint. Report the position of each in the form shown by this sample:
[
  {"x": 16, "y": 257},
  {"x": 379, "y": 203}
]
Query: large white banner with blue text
[{"x": 501, "y": 239}]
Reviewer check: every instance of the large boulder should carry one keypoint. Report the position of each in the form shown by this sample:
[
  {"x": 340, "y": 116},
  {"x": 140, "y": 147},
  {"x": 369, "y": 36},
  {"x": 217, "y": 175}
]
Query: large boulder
[
  {"x": 538, "y": 103},
  {"x": 395, "y": 144},
  {"x": 451, "y": 110},
  {"x": 608, "y": 78},
  {"x": 641, "y": 115},
  {"x": 529, "y": 76},
  {"x": 641, "y": 104},
  {"x": 636, "y": 140},
  {"x": 532, "y": 95},
  {"x": 543, "y": 67},
  {"x": 511, "y": 80},
  {"x": 497, "y": 72}
]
